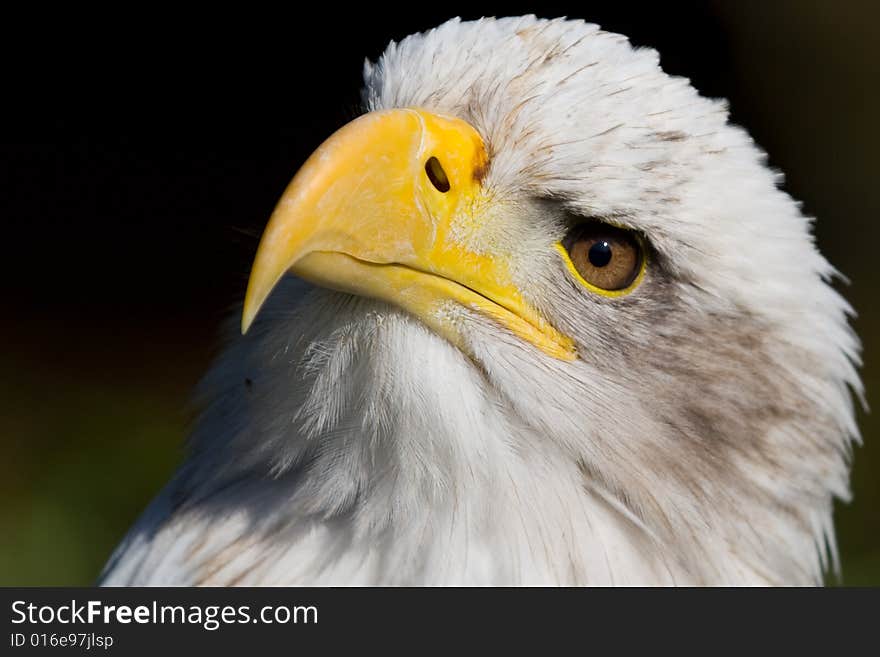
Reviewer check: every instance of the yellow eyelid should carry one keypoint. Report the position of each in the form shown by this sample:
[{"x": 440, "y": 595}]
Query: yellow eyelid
[{"x": 612, "y": 294}]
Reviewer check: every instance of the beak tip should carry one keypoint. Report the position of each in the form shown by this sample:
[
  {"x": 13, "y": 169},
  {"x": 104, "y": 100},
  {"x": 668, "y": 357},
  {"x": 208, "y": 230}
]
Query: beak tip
[
  {"x": 255, "y": 297},
  {"x": 248, "y": 314},
  {"x": 247, "y": 319}
]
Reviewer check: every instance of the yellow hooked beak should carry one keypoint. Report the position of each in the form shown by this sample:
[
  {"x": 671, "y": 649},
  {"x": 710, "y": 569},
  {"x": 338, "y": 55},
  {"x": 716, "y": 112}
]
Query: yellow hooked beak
[{"x": 374, "y": 212}]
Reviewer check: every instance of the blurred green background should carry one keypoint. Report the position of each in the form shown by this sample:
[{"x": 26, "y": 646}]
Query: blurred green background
[{"x": 133, "y": 202}]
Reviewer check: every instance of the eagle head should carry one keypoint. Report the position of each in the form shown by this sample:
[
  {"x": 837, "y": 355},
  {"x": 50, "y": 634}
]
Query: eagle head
[{"x": 551, "y": 321}]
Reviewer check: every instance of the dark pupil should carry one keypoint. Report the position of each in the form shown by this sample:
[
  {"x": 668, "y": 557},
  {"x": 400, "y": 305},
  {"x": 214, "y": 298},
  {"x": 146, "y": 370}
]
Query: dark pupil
[{"x": 600, "y": 254}]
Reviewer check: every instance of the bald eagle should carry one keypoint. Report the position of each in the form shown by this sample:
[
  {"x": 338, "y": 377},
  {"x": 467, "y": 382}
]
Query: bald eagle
[{"x": 551, "y": 321}]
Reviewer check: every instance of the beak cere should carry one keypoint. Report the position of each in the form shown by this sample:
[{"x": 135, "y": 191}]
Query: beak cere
[{"x": 372, "y": 212}]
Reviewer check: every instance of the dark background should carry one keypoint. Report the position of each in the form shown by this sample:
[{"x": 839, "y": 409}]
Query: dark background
[{"x": 141, "y": 154}]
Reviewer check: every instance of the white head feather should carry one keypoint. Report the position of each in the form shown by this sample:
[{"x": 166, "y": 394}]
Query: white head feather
[{"x": 701, "y": 437}]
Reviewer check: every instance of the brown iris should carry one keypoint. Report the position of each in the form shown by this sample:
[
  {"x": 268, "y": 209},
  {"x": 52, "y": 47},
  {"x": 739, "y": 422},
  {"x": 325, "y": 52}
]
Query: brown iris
[{"x": 606, "y": 257}]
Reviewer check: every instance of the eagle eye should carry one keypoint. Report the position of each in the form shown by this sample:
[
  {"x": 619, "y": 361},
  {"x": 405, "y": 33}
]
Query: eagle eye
[
  {"x": 606, "y": 259},
  {"x": 437, "y": 175}
]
